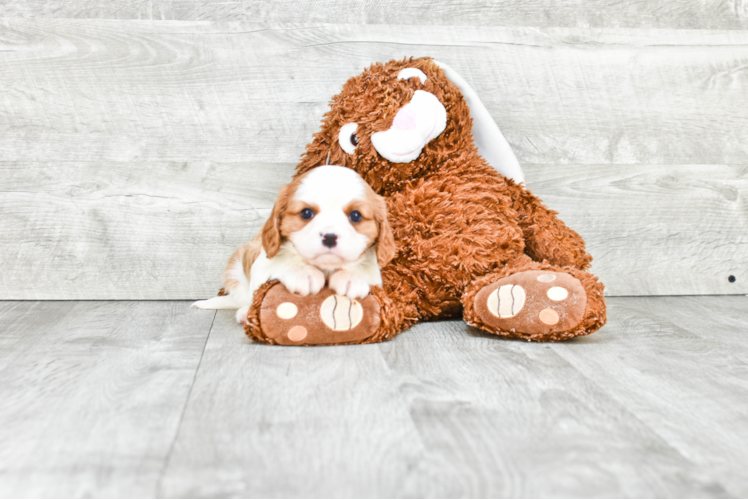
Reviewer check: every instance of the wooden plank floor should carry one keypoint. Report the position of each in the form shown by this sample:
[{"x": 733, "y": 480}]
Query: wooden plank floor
[
  {"x": 92, "y": 394},
  {"x": 158, "y": 399}
]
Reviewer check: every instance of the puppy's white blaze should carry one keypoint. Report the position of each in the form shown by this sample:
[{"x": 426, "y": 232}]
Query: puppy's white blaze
[
  {"x": 407, "y": 73},
  {"x": 330, "y": 188},
  {"x": 328, "y": 182},
  {"x": 414, "y": 126}
]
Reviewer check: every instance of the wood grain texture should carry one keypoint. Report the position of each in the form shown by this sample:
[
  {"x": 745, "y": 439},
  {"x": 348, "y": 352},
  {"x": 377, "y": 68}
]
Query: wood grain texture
[
  {"x": 137, "y": 155},
  {"x": 81, "y": 90},
  {"x": 713, "y": 14},
  {"x": 272, "y": 421},
  {"x": 127, "y": 230},
  {"x": 445, "y": 411},
  {"x": 165, "y": 230},
  {"x": 680, "y": 366},
  {"x": 656, "y": 229},
  {"x": 92, "y": 394}
]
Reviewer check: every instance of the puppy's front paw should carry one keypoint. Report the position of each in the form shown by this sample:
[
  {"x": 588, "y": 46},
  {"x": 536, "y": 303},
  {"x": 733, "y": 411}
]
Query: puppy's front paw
[
  {"x": 241, "y": 315},
  {"x": 304, "y": 281},
  {"x": 349, "y": 284}
]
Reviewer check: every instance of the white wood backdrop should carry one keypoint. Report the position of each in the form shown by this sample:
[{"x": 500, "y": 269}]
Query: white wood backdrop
[
  {"x": 136, "y": 154},
  {"x": 688, "y": 14}
]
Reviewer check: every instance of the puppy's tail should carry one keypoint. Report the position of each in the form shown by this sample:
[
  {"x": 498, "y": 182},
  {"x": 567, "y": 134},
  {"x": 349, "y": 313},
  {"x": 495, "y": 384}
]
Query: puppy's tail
[{"x": 222, "y": 302}]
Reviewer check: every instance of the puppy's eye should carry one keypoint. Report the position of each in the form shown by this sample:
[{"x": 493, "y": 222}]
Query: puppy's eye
[
  {"x": 307, "y": 213},
  {"x": 355, "y": 216},
  {"x": 347, "y": 137}
]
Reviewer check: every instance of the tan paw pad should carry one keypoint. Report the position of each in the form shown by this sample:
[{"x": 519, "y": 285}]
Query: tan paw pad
[
  {"x": 297, "y": 333},
  {"x": 340, "y": 313},
  {"x": 287, "y": 310},
  {"x": 557, "y": 293},
  {"x": 506, "y": 301},
  {"x": 548, "y": 316}
]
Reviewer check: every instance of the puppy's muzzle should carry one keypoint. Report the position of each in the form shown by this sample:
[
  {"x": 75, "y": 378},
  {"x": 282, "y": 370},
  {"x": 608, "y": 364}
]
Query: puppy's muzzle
[{"x": 330, "y": 240}]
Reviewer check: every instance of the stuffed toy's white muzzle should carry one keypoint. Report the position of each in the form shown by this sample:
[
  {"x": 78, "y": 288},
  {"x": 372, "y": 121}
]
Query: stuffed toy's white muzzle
[
  {"x": 417, "y": 123},
  {"x": 424, "y": 118}
]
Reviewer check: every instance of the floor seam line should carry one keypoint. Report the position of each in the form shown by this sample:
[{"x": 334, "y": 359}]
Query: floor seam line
[{"x": 167, "y": 460}]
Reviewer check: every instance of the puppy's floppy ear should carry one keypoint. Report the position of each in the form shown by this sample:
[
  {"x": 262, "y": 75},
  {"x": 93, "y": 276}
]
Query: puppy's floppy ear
[
  {"x": 271, "y": 235},
  {"x": 386, "y": 249}
]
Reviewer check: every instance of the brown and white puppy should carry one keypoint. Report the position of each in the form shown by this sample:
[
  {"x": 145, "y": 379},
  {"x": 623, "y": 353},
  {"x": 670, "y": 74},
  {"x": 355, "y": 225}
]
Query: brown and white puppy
[{"x": 327, "y": 225}]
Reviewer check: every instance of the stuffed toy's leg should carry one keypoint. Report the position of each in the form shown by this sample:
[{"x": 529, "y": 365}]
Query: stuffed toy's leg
[
  {"x": 535, "y": 301},
  {"x": 546, "y": 236},
  {"x": 278, "y": 316}
]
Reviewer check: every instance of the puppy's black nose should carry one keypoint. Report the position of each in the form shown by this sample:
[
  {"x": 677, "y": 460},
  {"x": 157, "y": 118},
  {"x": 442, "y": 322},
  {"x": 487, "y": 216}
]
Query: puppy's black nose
[{"x": 330, "y": 240}]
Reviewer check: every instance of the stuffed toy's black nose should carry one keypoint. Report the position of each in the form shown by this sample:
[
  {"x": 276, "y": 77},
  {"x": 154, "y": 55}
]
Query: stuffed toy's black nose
[{"x": 330, "y": 240}]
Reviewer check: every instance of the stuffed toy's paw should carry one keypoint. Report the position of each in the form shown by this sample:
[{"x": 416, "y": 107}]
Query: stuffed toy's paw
[
  {"x": 324, "y": 318},
  {"x": 533, "y": 303}
]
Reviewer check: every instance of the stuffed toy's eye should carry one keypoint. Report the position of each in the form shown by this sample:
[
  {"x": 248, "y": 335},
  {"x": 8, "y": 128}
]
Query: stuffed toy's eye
[
  {"x": 307, "y": 213},
  {"x": 408, "y": 73},
  {"x": 347, "y": 137},
  {"x": 355, "y": 216}
]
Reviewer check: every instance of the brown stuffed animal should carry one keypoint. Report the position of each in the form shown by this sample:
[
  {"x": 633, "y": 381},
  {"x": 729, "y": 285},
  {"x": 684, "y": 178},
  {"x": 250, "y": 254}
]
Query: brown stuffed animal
[{"x": 470, "y": 241}]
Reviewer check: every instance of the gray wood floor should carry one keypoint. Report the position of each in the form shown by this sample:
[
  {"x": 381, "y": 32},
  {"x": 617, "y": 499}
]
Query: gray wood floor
[{"x": 159, "y": 399}]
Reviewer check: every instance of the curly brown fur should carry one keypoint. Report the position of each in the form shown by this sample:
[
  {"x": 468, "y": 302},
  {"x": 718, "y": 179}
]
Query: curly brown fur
[
  {"x": 253, "y": 328},
  {"x": 547, "y": 237}
]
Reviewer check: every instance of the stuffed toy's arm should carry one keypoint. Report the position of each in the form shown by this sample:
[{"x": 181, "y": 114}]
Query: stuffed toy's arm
[{"x": 546, "y": 236}]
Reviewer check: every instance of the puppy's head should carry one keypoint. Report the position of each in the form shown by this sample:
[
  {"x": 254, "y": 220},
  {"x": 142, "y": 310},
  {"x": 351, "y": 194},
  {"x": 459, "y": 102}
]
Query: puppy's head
[{"x": 331, "y": 216}]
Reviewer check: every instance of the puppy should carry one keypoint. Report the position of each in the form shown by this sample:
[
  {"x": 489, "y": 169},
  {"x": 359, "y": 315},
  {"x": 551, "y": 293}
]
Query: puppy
[{"x": 327, "y": 225}]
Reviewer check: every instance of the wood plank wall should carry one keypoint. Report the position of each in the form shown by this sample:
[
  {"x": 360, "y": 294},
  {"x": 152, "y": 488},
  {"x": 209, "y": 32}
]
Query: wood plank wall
[{"x": 143, "y": 141}]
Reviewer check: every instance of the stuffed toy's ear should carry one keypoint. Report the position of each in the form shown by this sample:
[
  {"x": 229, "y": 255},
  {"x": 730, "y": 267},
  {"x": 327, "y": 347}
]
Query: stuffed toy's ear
[{"x": 492, "y": 145}]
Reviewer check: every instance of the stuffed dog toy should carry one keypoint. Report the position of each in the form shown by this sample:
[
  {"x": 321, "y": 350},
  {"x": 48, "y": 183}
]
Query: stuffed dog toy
[
  {"x": 471, "y": 240},
  {"x": 327, "y": 225}
]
